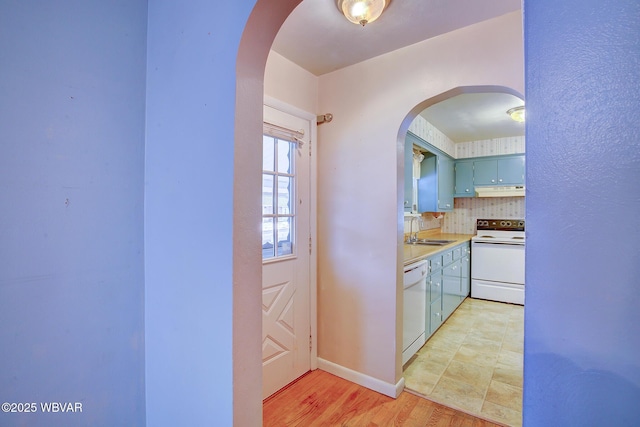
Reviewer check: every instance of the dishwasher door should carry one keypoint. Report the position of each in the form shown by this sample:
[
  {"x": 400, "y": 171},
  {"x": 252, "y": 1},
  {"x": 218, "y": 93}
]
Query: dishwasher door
[{"x": 414, "y": 309}]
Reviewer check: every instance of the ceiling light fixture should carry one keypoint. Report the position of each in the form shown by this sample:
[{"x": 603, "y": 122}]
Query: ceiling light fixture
[
  {"x": 362, "y": 11},
  {"x": 517, "y": 113}
]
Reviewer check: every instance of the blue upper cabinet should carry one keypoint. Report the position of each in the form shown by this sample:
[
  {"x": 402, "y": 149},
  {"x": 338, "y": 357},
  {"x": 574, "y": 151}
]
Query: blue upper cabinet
[
  {"x": 463, "y": 179},
  {"x": 493, "y": 170},
  {"x": 511, "y": 170},
  {"x": 408, "y": 177},
  {"x": 445, "y": 184},
  {"x": 508, "y": 170},
  {"x": 435, "y": 186}
]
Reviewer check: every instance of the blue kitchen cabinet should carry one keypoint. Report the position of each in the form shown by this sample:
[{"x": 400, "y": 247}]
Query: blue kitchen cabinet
[
  {"x": 463, "y": 184},
  {"x": 465, "y": 272},
  {"x": 436, "y": 181},
  {"x": 408, "y": 177},
  {"x": 434, "y": 316},
  {"x": 435, "y": 186},
  {"x": 448, "y": 284},
  {"x": 507, "y": 170},
  {"x": 446, "y": 182},
  {"x": 455, "y": 278},
  {"x": 450, "y": 288}
]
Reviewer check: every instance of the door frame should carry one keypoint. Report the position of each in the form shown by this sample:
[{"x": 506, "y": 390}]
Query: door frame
[{"x": 313, "y": 194}]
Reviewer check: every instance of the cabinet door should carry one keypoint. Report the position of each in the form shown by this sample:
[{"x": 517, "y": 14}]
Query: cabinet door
[
  {"x": 435, "y": 187},
  {"x": 436, "y": 316},
  {"x": 450, "y": 288},
  {"x": 485, "y": 172},
  {"x": 428, "y": 185},
  {"x": 435, "y": 263},
  {"x": 465, "y": 272},
  {"x": 435, "y": 286},
  {"x": 463, "y": 185},
  {"x": 445, "y": 183},
  {"x": 408, "y": 176},
  {"x": 511, "y": 170}
]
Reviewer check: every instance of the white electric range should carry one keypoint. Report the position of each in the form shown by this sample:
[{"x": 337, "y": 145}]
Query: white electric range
[{"x": 497, "y": 260}]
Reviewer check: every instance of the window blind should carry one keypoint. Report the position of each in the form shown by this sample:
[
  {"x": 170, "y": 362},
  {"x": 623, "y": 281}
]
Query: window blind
[{"x": 282, "y": 132}]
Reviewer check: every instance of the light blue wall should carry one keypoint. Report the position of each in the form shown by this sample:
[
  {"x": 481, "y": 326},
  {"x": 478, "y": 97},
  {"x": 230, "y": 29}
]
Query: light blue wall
[
  {"x": 582, "y": 336},
  {"x": 192, "y": 48},
  {"x": 72, "y": 99},
  {"x": 72, "y": 124}
]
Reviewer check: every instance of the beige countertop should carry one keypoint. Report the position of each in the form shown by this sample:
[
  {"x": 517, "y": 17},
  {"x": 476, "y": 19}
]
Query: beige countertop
[{"x": 413, "y": 253}]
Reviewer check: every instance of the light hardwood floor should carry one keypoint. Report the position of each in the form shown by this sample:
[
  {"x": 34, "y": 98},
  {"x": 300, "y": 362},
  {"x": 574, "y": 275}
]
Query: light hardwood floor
[{"x": 322, "y": 399}]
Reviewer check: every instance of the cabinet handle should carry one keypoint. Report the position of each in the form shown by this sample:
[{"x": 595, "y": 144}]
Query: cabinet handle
[
  {"x": 467, "y": 190},
  {"x": 493, "y": 180},
  {"x": 500, "y": 180}
]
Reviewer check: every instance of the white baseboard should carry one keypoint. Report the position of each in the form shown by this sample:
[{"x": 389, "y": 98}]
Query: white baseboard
[{"x": 388, "y": 389}]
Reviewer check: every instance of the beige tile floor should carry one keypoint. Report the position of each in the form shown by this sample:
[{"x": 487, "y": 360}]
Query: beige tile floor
[{"x": 474, "y": 362}]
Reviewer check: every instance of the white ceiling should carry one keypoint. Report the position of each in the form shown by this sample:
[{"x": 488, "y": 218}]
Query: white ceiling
[
  {"x": 475, "y": 116},
  {"x": 319, "y": 39}
]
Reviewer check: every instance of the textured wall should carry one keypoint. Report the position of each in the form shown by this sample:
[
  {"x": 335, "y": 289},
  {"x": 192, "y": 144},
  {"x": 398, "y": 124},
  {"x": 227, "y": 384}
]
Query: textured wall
[
  {"x": 72, "y": 95},
  {"x": 358, "y": 154},
  {"x": 189, "y": 218},
  {"x": 583, "y": 150}
]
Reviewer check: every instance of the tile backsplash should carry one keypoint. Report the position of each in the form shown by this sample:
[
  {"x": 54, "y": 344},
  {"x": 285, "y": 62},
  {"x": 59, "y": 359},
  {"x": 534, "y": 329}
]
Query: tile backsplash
[
  {"x": 427, "y": 222},
  {"x": 466, "y": 210}
]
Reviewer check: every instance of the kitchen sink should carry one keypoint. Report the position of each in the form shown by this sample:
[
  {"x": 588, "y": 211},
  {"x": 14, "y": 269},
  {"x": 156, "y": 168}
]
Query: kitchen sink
[{"x": 432, "y": 242}]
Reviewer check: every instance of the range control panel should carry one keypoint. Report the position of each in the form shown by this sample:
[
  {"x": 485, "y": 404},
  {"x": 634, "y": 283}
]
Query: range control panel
[{"x": 500, "y": 224}]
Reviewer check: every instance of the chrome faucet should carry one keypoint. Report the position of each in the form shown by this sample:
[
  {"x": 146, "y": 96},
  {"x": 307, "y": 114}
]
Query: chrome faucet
[{"x": 413, "y": 238}]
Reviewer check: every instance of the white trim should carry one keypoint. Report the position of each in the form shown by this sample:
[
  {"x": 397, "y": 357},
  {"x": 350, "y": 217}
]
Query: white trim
[
  {"x": 388, "y": 389},
  {"x": 313, "y": 217}
]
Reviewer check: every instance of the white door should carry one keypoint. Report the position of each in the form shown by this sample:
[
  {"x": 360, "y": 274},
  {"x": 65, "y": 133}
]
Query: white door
[{"x": 286, "y": 280}]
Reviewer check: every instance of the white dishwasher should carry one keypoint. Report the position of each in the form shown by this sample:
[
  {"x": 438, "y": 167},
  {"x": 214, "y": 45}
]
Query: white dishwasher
[{"x": 414, "y": 311}]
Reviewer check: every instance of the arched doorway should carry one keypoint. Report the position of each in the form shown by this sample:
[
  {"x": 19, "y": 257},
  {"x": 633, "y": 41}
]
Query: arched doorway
[
  {"x": 465, "y": 122},
  {"x": 262, "y": 26},
  {"x": 362, "y": 283}
]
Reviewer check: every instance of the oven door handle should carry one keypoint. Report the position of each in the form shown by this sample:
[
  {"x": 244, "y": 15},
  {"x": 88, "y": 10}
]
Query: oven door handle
[{"x": 497, "y": 243}]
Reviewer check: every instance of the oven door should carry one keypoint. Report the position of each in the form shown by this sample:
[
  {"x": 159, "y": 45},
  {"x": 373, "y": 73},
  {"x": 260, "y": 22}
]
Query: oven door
[{"x": 497, "y": 262}]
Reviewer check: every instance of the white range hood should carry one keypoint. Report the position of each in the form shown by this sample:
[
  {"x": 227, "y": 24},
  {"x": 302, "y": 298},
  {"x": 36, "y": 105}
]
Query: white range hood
[{"x": 500, "y": 191}]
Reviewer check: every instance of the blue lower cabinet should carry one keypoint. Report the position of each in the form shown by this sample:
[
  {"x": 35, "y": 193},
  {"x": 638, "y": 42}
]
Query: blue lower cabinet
[
  {"x": 465, "y": 273},
  {"x": 450, "y": 288},
  {"x": 435, "y": 286},
  {"x": 436, "y": 317},
  {"x": 448, "y": 284}
]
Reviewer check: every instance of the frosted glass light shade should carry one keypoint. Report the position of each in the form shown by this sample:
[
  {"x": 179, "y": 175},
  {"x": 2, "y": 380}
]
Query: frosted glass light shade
[
  {"x": 517, "y": 114},
  {"x": 362, "y": 11}
]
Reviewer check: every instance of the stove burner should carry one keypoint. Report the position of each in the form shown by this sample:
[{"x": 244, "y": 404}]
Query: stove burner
[{"x": 500, "y": 225}]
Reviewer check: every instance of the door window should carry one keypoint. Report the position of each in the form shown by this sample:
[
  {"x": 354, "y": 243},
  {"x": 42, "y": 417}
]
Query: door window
[{"x": 278, "y": 195}]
